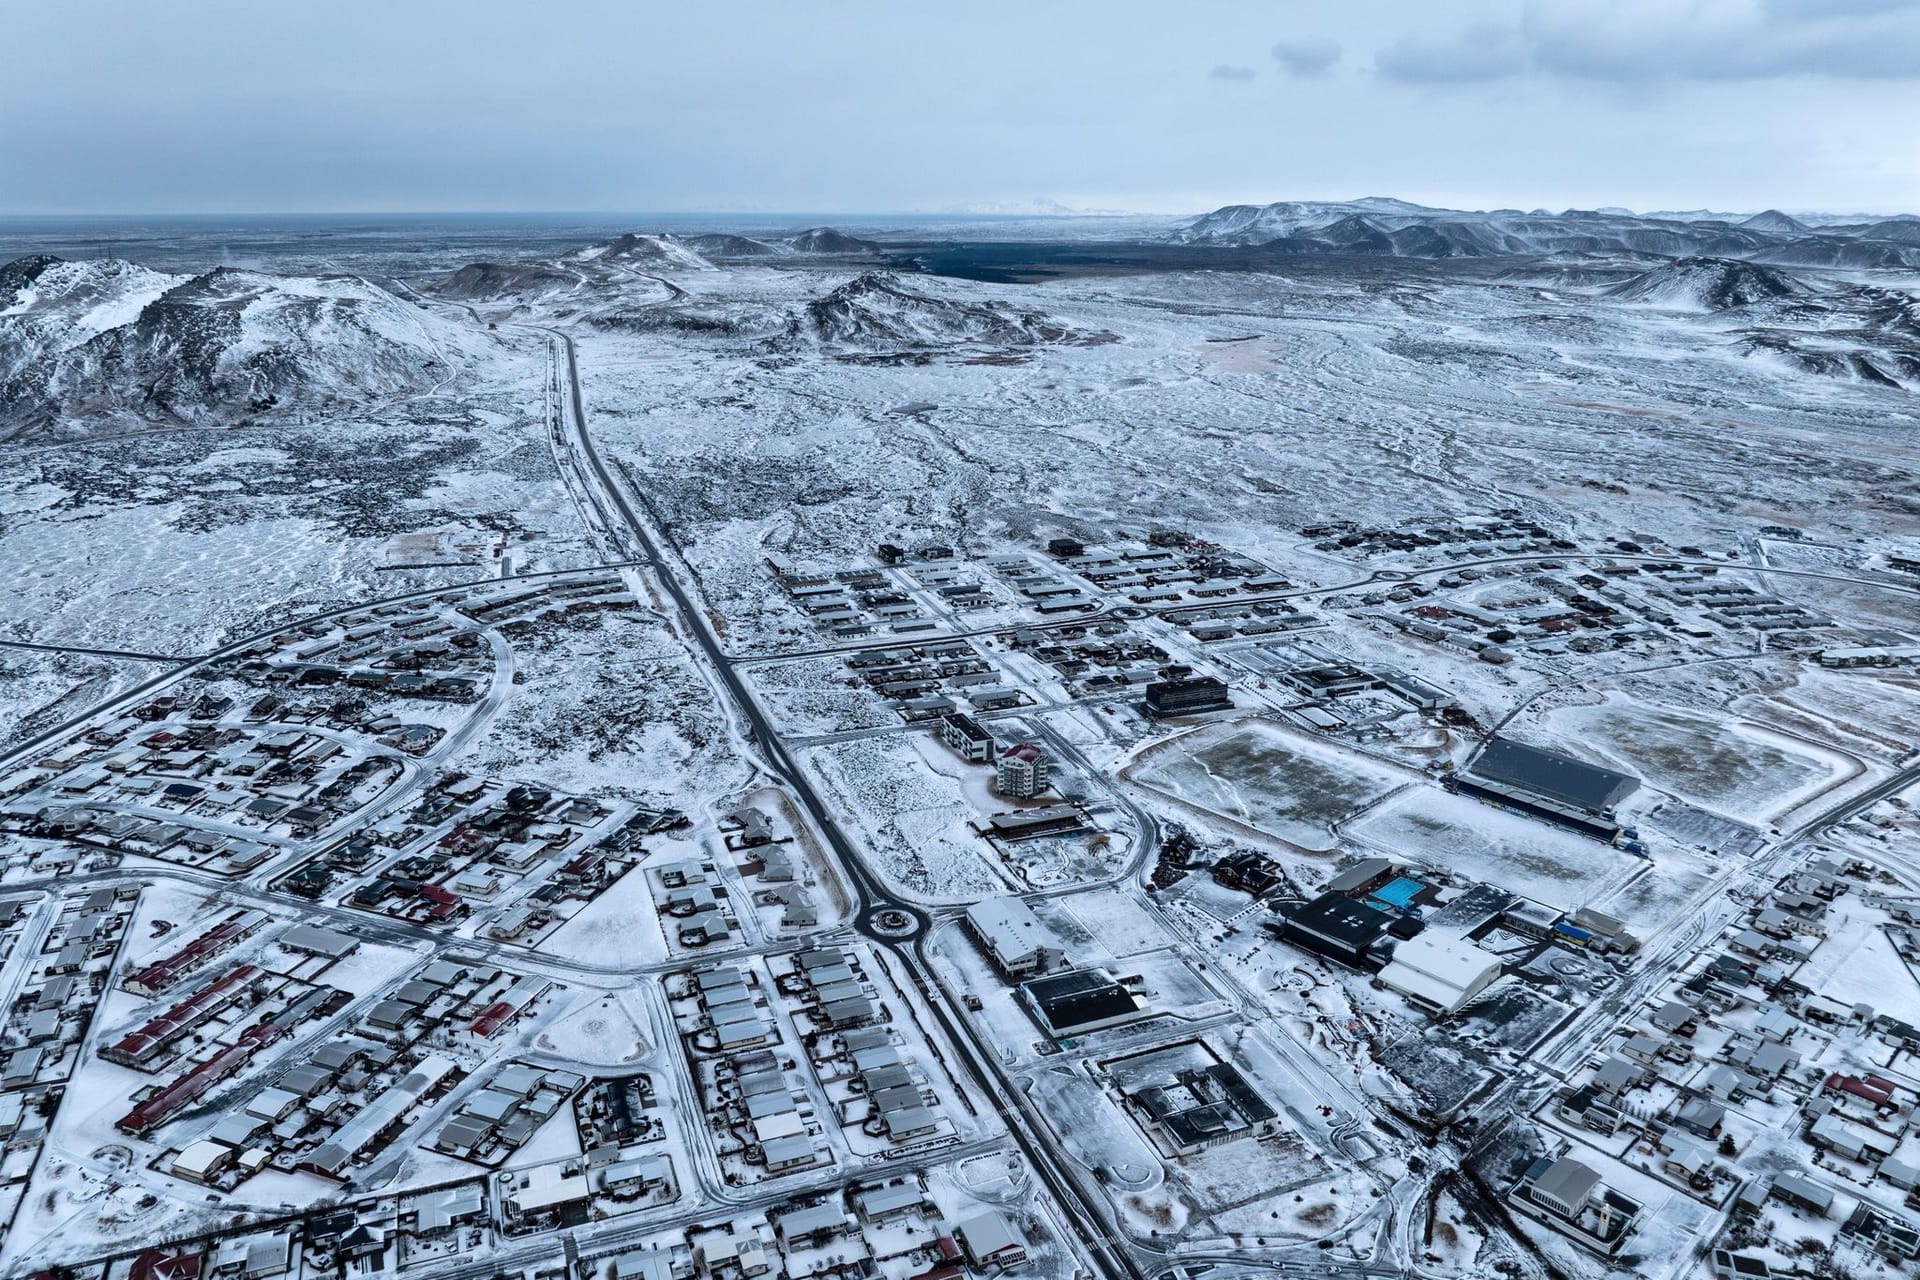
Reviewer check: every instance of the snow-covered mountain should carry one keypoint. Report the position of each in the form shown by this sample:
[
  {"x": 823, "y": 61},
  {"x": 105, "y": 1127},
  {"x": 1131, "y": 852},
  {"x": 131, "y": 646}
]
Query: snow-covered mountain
[
  {"x": 1775, "y": 223},
  {"x": 635, "y": 250},
  {"x": 49, "y": 305},
  {"x": 1707, "y": 284},
  {"x": 698, "y": 252},
  {"x": 875, "y": 315},
  {"x": 719, "y": 245},
  {"x": 828, "y": 241},
  {"x": 1391, "y": 228},
  {"x": 495, "y": 281},
  {"x": 106, "y": 345}
]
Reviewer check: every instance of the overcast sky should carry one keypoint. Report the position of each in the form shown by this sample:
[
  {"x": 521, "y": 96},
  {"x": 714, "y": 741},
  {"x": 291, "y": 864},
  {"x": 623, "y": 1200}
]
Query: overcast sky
[{"x": 850, "y": 106}]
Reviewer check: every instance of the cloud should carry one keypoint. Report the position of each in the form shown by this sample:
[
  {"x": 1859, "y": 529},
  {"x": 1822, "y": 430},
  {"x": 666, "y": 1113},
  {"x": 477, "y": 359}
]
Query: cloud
[
  {"x": 1643, "y": 41},
  {"x": 1306, "y": 57},
  {"x": 1835, "y": 8},
  {"x": 1484, "y": 52},
  {"x": 1232, "y": 75}
]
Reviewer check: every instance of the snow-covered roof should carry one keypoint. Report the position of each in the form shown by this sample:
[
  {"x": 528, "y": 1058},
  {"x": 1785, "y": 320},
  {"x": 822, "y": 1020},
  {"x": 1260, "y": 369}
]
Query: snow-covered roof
[
  {"x": 1440, "y": 970},
  {"x": 1011, "y": 930}
]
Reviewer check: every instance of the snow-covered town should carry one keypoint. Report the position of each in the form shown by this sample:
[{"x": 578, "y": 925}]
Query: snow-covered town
[
  {"x": 687, "y": 837},
  {"x": 1090, "y": 739}
]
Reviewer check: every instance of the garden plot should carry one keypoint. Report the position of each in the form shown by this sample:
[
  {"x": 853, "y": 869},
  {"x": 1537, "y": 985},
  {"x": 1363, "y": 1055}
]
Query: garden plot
[
  {"x": 1856, "y": 964},
  {"x": 1731, "y": 766},
  {"x": 1480, "y": 842},
  {"x": 915, "y": 819},
  {"x": 1257, "y": 773},
  {"x": 622, "y": 924}
]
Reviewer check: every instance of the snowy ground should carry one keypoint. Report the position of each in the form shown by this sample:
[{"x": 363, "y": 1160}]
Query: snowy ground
[
  {"x": 1282, "y": 783},
  {"x": 907, "y": 793},
  {"x": 1234, "y": 407},
  {"x": 622, "y": 922},
  {"x": 1734, "y": 767},
  {"x": 611, "y": 703},
  {"x": 1476, "y": 841}
]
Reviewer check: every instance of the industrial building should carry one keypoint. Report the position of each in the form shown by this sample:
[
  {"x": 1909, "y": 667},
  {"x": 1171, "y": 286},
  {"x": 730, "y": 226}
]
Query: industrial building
[
  {"x": 1013, "y": 937},
  {"x": 1082, "y": 1001},
  {"x": 1439, "y": 971},
  {"x": 1548, "y": 785}
]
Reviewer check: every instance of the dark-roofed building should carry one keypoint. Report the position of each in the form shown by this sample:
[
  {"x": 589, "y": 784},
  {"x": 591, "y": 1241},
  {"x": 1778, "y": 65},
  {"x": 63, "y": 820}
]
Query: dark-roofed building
[
  {"x": 1337, "y": 927},
  {"x": 1204, "y": 1107},
  {"x": 1185, "y": 697},
  {"x": 1554, "y": 777},
  {"x": 1082, "y": 1001},
  {"x": 965, "y": 735}
]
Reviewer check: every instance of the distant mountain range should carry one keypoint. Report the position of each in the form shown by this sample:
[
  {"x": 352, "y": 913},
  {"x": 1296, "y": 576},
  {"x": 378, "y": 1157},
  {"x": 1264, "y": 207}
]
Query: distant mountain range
[{"x": 1394, "y": 228}]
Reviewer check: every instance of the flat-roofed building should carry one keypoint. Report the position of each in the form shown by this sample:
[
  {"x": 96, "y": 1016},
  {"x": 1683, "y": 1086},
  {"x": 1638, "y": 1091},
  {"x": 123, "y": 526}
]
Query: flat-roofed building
[
  {"x": 965, "y": 736},
  {"x": 990, "y": 1240},
  {"x": 1018, "y": 944}
]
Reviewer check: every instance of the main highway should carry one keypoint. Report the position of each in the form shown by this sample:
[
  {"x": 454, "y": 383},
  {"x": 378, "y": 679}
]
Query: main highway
[{"x": 905, "y": 935}]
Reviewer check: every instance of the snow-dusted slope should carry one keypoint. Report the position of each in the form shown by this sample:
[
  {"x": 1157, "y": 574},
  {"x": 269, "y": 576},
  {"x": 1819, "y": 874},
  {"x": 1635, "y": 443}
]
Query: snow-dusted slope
[
  {"x": 1776, "y": 223},
  {"x": 828, "y": 241},
  {"x": 1707, "y": 284},
  {"x": 876, "y": 315},
  {"x": 494, "y": 281},
  {"x": 634, "y": 250},
  {"x": 721, "y": 245},
  {"x": 49, "y": 305},
  {"x": 115, "y": 346}
]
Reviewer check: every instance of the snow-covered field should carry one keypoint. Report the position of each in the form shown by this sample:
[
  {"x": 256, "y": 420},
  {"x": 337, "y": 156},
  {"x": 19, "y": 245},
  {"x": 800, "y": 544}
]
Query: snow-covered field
[
  {"x": 1476, "y": 841},
  {"x": 908, "y": 796},
  {"x": 1282, "y": 783},
  {"x": 1733, "y": 766},
  {"x": 609, "y": 702}
]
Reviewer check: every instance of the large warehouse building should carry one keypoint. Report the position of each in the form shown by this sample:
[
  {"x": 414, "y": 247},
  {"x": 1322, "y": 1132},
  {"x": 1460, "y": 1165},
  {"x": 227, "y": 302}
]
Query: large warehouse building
[
  {"x": 1546, "y": 784},
  {"x": 1439, "y": 971}
]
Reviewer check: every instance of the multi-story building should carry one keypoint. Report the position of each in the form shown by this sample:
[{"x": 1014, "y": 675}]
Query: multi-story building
[{"x": 1023, "y": 772}]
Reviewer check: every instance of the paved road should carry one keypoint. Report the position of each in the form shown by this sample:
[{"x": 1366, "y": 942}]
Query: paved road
[
  {"x": 766, "y": 740},
  {"x": 1084, "y": 1212},
  {"x": 96, "y": 653}
]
